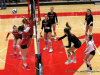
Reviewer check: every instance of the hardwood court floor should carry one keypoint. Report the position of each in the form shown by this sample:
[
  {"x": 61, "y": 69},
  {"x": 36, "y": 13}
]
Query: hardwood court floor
[{"x": 74, "y": 22}]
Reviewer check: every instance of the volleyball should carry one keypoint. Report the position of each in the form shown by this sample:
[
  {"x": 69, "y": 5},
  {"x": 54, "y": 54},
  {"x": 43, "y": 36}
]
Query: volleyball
[{"x": 14, "y": 11}]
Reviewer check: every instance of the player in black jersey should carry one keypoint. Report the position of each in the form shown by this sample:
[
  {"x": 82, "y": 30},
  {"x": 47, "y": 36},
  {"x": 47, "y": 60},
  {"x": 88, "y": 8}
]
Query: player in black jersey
[
  {"x": 71, "y": 38},
  {"x": 52, "y": 16},
  {"x": 89, "y": 20},
  {"x": 46, "y": 24}
]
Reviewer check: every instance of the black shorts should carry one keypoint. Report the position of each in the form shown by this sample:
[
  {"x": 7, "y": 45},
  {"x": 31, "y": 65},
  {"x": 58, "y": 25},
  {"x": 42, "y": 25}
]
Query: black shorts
[
  {"x": 93, "y": 52},
  {"x": 31, "y": 36},
  {"x": 90, "y": 25},
  {"x": 23, "y": 46},
  {"x": 47, "y": 31},
  {"x": 19, "y": 38},
  {"x": 78, "y": 45}
]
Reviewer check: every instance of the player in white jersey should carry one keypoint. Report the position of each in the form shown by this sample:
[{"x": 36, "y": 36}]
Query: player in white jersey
[{"x": 89, "y": 53}]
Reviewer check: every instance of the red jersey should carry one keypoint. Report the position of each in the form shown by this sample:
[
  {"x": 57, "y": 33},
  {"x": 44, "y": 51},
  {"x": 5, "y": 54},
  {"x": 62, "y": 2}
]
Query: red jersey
[
  {"x": 15, "y": 34},
  {"x": 26, "y": 34},
  {"x": 27, "y": 21}
]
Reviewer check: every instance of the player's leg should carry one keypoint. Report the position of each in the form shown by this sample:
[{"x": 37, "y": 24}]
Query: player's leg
[
  {"x": 69, "y": 54},
  {"x": 74, "y": 57},
  {"x": 18, "y": 46},
  {"x": 85, "y": 60},
  {"x": 14, "y": 47},
  {"x": 24, "y": 52},
  {"x": 90, "y": 31},
  {"x": 54, "y": 30},
  {"x": 49, "y": 40},
  {"x": 86, "y": 32},
  {"x": 45, "y": 40},
  {"x": 29, "y": 41}
]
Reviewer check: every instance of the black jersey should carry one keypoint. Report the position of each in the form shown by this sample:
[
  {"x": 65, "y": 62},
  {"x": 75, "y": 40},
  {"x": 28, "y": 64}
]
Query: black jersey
[
  {"x": 71, "y": 38},
  {"x": 46, "y": 25},
  {"x": 52, "y": 17},
  {"x": 89, "y": 19}
]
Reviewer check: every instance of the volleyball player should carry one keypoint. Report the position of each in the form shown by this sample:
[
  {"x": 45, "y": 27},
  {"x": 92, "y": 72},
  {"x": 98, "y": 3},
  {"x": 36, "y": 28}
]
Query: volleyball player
[
  {"x": 16, "y": 42},
  {"x": 89, "y": 20},
  {"x": 71, "y": 38},
  {"x": 27, "y": 22},
  {"x": 25, "y": 40},
  {"x": 52, "y": 16},
  {"x": 46, "y": 24},
  {"x": 90, "y": 54}
]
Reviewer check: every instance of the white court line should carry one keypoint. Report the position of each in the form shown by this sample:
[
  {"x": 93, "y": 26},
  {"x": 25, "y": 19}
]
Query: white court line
[
  {"x": 2, "y": 60},
  {"x": 94, "y": 44},
  {"x": 3, "y": 49}
]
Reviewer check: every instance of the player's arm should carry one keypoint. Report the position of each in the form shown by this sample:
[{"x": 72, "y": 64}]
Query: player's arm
[
  {"x": 8, "y": 34},
  {"x": 56, "y": 19},
  {"x": 69, "y": 44},
  {"x": 91, "y": 20},
  {"x": 42, "y": 27},
  {"x": 62, "y": 37},
  {"x": 85, "y": 20},
  {"x": 28, "y": 28}
]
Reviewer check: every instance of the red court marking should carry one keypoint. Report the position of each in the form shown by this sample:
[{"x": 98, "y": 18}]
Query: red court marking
[
  {"x": 58, "y": 14},
  {"x": 54, "y": 63},
  {"x": 13, "y": 66}
]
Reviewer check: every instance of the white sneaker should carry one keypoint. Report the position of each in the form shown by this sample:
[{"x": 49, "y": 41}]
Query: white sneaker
[
  {"x": 90, "y": 72},
  {"x": 74, "y": 61},
  {"x": 50, "y": 50},
  {"x": 67, "y": 62},
  {"x": 45, "y": 48},
  {"x": 87, "y": 69},
  {"x": 55, "y": 38},
  {"x": 84, "y": 39}
]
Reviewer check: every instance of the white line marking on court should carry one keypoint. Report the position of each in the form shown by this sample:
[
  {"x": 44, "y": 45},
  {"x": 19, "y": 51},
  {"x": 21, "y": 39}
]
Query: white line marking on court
[
  {"x": 94, "y": 44},
  {"x": 2, "y": 60},
  {"x": 3, "y": 49}
]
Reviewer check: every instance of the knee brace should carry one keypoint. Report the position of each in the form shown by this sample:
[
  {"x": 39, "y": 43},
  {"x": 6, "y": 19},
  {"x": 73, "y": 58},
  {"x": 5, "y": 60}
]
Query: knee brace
[
  {"x": 88, "y": 63},
  {"x": 84, "y": 60},
  {"x": 90, "y": 33},
  {"x": 13, "y": 45},
  {"x": 49, "y": 40},
  {"x": 68, "y": 52},
  {"x": 17, "y": 46},
  {"x": 24, "y": 58},
  {"x": 73, "y": 51},
  {"x": 45, "y": 40}
]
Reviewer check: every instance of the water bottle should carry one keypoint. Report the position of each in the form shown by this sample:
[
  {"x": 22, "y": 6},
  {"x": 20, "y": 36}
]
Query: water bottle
[{"x": 40, "y": 69}]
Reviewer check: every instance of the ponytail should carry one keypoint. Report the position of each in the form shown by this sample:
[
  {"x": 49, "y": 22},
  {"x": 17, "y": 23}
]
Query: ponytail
[{"x": 67, "y": 30}]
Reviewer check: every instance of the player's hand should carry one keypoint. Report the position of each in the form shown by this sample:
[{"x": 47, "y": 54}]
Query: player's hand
[
  {"x": 55, "y": 40},
  {"x": 40, "y": 33},
  {"x": 63, "y": 46},
  {"x": 84, "y": 23},
  {"x": 46, "y": 28},
  {"x": 84, "y": 53},
  {"x": 6, "y": 39},
  {"x": 89, "y": 24},
  {"x": 56, "y": 23},
  {"x": 34, "y": 19}
]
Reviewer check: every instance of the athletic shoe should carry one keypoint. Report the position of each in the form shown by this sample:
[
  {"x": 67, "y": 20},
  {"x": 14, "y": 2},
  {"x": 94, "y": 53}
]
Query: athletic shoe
[
  {"x": 26, "y": 67},
  {"x": 20, "y": 57},
  {"x": 45, "y": 48},
  {"x": 87, "y": 68},
  {"x": 74, "y": 61},
  {"x": 90, "y": 72},
  {"x": 84, "y": 39},
  {"x": 54, "y": 37},
  {"x": 15, "y": 55},
  {"x": 67, "y": 62},
  {"x": 50, "y": 50}
]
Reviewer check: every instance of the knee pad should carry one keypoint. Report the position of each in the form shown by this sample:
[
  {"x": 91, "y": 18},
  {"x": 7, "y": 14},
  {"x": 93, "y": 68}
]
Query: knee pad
[
  {"x": 24, "y": 58},
  {"x": 45, "y": 40},
  {"x": 73, "y": 51},
  {"x": 17, "y": 46},
  {"x": 90, "y": 33},
  {"x": 88, "y": 63},
  {"x": 84, "y": 60},
  {"x": 54, "y": 31},
  {"x": 13, "y": 45},
  {"x": 68, "y": 52},
  {"x": 49, "y": 40}
]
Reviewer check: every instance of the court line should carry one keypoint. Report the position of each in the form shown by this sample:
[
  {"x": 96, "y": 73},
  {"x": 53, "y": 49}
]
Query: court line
[
  {"x": 2, "y": 60},
  {"x": 94, "y": 44}
]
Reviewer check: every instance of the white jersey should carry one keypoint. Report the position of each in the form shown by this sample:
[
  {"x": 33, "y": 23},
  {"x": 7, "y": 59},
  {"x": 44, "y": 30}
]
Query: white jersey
[{"x": 90, "y": 47}]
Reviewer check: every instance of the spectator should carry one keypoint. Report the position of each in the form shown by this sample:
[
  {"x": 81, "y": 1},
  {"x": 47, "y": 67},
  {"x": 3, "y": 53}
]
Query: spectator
[{"x": 2, "y": 4}]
